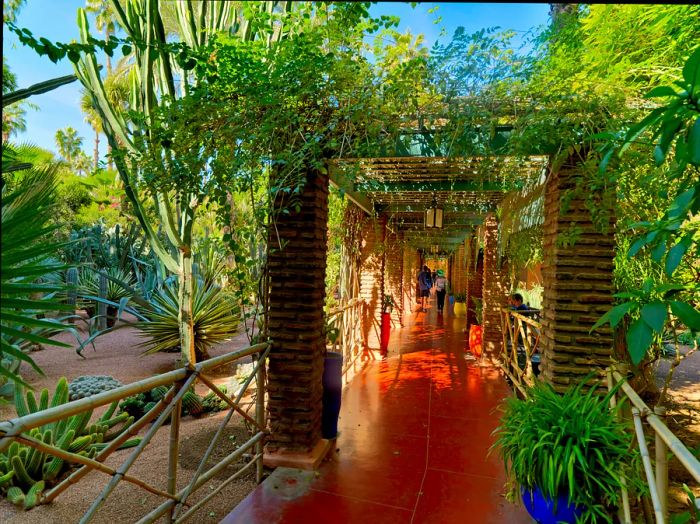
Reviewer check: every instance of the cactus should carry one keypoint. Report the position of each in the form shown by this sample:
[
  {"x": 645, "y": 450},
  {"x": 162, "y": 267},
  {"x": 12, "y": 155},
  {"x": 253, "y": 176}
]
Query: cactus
[
  {"x": 6, "y": 478},
  {"x": 110, "y": 411},
  {"x": 212, "y": 402},
  {"x": 25, "y": 471},
  {"x": 80, "y": 443},
  {"x": 99, "y": 446},
  {"x": 60, "y": 395},
  {"x": 21, "y": 475},
  {"x": 88, "y": 385},
  {"x": 192, "y": 404},
  {"x": 158, "y": 393},
  {"x": 32, "y": 497},
  {"x": 15, "y": 495}
]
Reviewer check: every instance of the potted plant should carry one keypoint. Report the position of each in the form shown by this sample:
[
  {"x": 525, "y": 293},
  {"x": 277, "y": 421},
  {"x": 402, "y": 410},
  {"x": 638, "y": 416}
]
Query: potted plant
[
  {"x": 460, "y": 307},
  {"x": 564, "y": 454},
  {"x": 332, "y": 384},
  {"x": 476, "y": 331},
  {"x": 387, "y": 307}
]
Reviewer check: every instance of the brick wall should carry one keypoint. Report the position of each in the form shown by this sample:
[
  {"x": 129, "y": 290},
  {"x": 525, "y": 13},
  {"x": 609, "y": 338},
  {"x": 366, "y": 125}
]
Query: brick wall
[
  {"x": 577, "y": 288},
  {"x": 393, "y": 274},
  {"x": 494, "y": 291},
  {"x": 297, "y": 293},
  {"x": 371, "y": 277}
]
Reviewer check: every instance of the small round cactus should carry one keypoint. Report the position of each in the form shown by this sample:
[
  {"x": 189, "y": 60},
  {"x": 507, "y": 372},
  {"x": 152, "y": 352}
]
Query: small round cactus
[{"x": 89, "y": 385}]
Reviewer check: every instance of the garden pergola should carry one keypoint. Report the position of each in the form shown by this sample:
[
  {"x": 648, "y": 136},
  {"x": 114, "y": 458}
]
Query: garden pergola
[{"x": 393, "y": 193}]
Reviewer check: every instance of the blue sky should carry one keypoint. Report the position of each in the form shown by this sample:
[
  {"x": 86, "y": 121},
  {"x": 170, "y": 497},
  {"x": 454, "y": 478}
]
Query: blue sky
[{"x": 56, "y": 20}]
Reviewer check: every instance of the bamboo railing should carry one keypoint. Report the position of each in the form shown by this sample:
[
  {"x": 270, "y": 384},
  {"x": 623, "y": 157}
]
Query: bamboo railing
[
  {"x": 175, "y": 508},
  {"x": 665, "y": 441},
  {"x": 347, "y": 319},
  {"x": 521, "y": 339}
]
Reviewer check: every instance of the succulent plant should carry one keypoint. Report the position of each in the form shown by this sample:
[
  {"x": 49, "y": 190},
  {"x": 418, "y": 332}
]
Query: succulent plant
[
  {"x": 26, "y": 471},
  {"x": 89, "y": 385},
  {"x": 212, "y": 402},
  {"x": 192, "y": 404}
]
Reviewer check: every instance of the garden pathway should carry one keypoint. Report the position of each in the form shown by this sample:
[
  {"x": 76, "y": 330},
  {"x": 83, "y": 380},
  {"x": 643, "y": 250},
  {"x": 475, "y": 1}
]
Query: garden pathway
[{"x": 414, "y": 432}]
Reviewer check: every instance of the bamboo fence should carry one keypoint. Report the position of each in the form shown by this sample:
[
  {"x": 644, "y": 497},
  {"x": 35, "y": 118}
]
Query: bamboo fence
[{"x": 175, "y": 507}]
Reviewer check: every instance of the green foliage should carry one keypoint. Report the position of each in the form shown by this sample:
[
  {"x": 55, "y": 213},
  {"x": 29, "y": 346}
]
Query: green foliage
[
  {"x": 570, "y": 444},
  {"x": 478, "y": 310},
  {"x": 27, "y": 247},
  {"x": 693, "y": 513},
  {"x": 673, "y": 126}
]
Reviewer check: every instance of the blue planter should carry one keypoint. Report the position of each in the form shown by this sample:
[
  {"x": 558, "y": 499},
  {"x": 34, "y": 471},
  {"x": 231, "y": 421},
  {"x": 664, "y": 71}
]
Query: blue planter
[
  {"x": 543, "y": 509},
  {"x": 332, "y": 389}
]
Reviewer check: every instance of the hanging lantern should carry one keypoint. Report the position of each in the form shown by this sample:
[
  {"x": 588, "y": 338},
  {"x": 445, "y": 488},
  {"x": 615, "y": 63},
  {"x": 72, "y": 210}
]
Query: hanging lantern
[{"x": 433, "y": 215}]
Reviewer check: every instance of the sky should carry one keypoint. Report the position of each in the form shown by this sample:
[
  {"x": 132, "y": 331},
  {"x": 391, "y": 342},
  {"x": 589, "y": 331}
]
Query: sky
[{"x": 56, "y": 20}]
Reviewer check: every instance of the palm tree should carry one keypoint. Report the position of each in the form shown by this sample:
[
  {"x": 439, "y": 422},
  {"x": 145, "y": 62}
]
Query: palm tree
[
  {"x": 81, "y": 163},
  {"x": 105, "y": 21},
  {"x": 13, "y": 121},
  {"x": 69, "y": 144}
]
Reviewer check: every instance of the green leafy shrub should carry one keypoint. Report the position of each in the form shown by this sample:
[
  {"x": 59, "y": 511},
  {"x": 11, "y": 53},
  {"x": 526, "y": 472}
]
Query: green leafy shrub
[{"x": 570, "y": 444}]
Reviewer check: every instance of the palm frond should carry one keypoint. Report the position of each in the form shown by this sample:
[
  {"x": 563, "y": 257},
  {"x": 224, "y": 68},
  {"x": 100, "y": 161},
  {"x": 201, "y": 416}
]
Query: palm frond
[{"x": 27, "y": 245}]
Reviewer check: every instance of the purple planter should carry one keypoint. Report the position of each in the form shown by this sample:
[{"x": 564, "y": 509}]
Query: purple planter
[{"x": 332, "y": 389}]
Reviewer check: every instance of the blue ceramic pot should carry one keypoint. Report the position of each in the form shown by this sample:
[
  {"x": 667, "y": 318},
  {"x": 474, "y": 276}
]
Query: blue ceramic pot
[
  {"x": 332, "y": 389},
  {"x": 543, "y": 510}
]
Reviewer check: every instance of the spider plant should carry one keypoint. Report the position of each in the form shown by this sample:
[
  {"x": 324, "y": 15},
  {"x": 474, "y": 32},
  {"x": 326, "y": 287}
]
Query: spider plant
[
  {"x": 215, "y": 312},
  {"x": 571, "y": 444}
]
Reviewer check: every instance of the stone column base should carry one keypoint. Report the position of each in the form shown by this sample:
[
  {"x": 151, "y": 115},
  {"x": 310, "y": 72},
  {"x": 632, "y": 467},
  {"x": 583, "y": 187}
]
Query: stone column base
[{"x": 298, "y": 459}]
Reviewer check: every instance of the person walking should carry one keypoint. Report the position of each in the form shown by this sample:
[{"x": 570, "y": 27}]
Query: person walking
[
  {"x": 425, "y": 281},
  {"x": 441, "y": 285}
]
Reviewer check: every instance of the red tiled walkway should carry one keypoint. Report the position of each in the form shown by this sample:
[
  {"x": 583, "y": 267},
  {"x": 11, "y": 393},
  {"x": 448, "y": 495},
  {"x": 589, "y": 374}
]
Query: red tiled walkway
[{"x": 414, "y": 433}]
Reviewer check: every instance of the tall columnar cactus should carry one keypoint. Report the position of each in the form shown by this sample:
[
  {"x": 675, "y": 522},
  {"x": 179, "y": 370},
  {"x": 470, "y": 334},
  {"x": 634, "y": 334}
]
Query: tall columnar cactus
[
  {"x": 72, "y": 283},
  {"x": 153, "y": 84},
  {"x": 25, "y": 471}
]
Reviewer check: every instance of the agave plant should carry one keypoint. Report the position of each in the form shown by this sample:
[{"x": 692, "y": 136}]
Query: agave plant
[
  {"x": 119, "y": 285},
  {"x": 215, "y": 312}
]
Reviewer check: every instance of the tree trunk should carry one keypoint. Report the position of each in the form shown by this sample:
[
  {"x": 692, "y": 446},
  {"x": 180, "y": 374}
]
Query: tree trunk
[
  {"x": 96, "y": 153},
  {"x": 110, "y": 163},
  {"x": 185, "y": 298},
  {"x": 109, "y": 60}
]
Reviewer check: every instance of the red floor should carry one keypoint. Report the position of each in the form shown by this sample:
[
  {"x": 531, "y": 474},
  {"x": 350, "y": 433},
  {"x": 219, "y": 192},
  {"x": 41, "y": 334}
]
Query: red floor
[{"x": 412, "y": 448}]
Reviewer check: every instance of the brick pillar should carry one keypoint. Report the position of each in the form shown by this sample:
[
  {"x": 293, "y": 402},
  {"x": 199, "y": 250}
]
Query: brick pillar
[
  {"x": 578, "y": 288},
  {"x": 494, "y": 290},
  {"x": 372, "y": 277},
  {"x": 458, "y": 281},
  {"x": 411, "y": 268},
  {"x": 296, "y": 323},
  {"x": 393, "y": 273}
]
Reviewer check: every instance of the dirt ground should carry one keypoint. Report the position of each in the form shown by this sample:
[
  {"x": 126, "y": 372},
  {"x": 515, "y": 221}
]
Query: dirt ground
[
  {"x": 683, "y": 418},
  {"x": 118, "y": 354}
]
